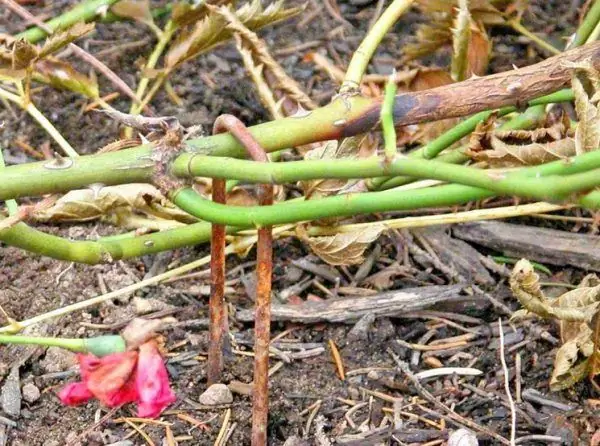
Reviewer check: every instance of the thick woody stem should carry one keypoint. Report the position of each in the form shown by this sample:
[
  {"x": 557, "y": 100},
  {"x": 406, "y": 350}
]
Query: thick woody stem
[{"x": 264, "y": 269}]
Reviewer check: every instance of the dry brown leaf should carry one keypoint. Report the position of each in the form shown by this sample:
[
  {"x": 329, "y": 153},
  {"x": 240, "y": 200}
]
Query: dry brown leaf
[
  {"x": 212, "y": 30},
  {"x": 578, "y": 356},
  {"x": 353, "y": 147},
  {"x": 461, "y": 35},
  {"x": 138, "y": 10},
  {"x": 576, "y": 305},
  {"x": 91, "y": 204},
  {"x": 567, "y": 371},
  {"x": 510, "y": 148},
  {"x": 23, "y": 55},
  {"x": 426, "y": 78},
  {"x": 185, "y": 14},
  {"x": 346, "y": 248},
  {"x": 436, "y": 32},
  {"x": 61, "y": 39},
  {"x": 480, "y": 49},
  {"x": 585, "y": 83},
  {"x": 241, "y": 197},
  {"x": 62, "y": 75}
]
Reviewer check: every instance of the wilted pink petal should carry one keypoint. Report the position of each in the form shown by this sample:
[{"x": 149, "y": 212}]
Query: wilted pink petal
[
  {"x": 87, "y": 364},
  {"x": 74, "y": 394},
  {"x": 152, "y": 382},
  {"x": 108, "y": 379}
]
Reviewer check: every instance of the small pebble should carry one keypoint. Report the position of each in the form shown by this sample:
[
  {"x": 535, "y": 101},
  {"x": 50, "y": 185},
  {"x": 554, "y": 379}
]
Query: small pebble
[
  {"x": 462, "y": 437},
  {"x": 30, "y": 392},
  {"x": 216, "y": 395}
]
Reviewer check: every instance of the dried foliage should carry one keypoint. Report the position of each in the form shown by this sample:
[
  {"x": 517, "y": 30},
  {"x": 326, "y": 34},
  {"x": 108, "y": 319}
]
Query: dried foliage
[
  {"x": 349, "y": 148},
  {"x": 556, "y": 140},
  {"x": 346, "y": 248},
  {"x": 462, "y": 27},
  {"x": 212, "y": 30},
  {"x": 23, "y": 61},
  {"x": 275, "y": 76},
  {"x": 122, "y": 205},
  {"x": 509, "y": 148},
  {"x": 62, "y": 75},
  {"x": 461, "y": 36},
  {"x": 585, "y": 83},
  {"x": 575, "y": 311},
  {"x": 62, "y": 38},
  {"x": 138, "y": 10}
]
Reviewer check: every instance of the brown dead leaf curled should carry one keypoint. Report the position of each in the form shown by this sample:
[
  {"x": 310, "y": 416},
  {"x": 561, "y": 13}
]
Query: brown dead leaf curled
[
  {"x": 437, "y": 32},
  {"x": 585, "y": 83},
  {"x": 212, "y": 30},
  {"x": 24, "y": 60},
  {"x": 567, "y": 371},
  {"x": 579, "y": 304},
  {"x": 353, "y": 147},
  {"x": 578, "y": 356},
  {"x": 122, "y": 200},
  {"x": 138, "y": 10},
  {"x": 510, "y": 148},
  {"x": 346, "y": 248},
  {"x": 23, "y": 55},
  {"x": 185, "y": 14}
]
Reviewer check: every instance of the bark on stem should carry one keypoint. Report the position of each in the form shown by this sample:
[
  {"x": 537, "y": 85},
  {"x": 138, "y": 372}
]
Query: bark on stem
[{"x": 476, "y": 94}]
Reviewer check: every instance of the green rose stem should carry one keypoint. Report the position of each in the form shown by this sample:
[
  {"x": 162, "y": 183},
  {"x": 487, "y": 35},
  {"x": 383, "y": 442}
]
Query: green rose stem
[
  {"x": 133, "y": 165},
  {"x": 550, "y": 189},
  {"x": 85, "y": 11},
  {"x": 97, "y": 346},
  {"x": 528, "y": 119},
  {"x": 387, "y": 120},
  {"x": 592, "y": 18},
  {"x": 361, "y": 57}
]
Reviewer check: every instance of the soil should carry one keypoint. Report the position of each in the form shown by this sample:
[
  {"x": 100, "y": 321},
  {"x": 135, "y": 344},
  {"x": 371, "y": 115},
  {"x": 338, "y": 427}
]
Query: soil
[{"x": 308, "y": 400}]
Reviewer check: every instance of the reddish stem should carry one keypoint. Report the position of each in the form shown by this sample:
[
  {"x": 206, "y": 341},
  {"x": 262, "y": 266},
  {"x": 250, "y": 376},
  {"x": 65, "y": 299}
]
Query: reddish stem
[
  {"x": 216, "y": 306},
  {"x": 264, "y": 268}
]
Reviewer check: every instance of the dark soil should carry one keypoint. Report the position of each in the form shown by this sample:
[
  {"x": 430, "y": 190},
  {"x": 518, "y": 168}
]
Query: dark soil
[{"x": 31, "y": 285}]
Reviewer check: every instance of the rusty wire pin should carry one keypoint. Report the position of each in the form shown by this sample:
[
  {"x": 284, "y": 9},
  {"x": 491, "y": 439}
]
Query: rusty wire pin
[{"x": 264, "y": 268}]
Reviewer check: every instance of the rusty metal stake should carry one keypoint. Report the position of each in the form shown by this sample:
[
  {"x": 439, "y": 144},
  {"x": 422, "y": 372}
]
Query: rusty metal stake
[
  {"x": 264, "y": 268},
  {"x": 216, "y": 306}
]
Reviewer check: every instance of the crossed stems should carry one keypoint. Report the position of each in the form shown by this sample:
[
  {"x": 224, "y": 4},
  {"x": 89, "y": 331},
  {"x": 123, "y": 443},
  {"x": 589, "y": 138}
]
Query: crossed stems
[{"x": 264, "y": 267}]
